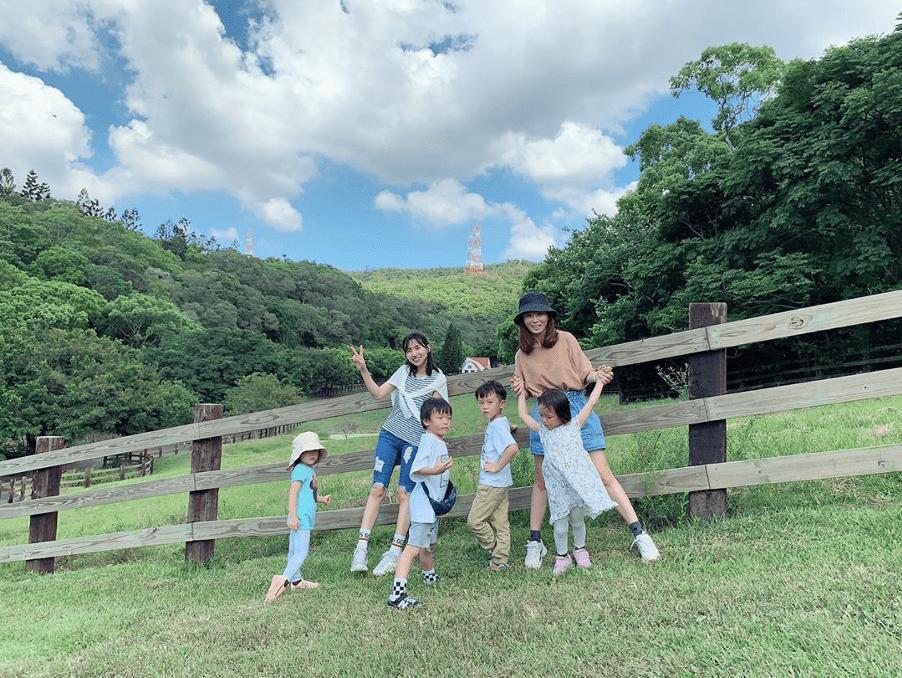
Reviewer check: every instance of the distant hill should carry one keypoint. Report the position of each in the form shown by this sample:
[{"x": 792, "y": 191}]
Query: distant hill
[{"x": 491, "y": 295}]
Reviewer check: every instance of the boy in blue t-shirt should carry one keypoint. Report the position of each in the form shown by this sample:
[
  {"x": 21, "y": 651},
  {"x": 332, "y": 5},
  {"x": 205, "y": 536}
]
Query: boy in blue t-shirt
[
  {"x": 431, "y": 467},
  {"x": 488, "y": 518}
]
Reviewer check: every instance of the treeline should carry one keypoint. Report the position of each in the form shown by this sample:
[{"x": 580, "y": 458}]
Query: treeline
[
  {"x": 793, "y": 199},
  {"x": 104, "y": 329}
]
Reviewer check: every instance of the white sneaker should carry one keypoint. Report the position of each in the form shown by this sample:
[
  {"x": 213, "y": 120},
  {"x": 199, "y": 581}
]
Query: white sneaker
[
  {"x": 358, "y": 562},
  {"x": 535, "y": 551},
  {"x": 387, "y": 564},
  {"x": 647, "y": 549}
]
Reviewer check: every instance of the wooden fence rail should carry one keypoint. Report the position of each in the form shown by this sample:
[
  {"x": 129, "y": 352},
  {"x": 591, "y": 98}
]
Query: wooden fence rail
[
  {"x": 693, "y": 412},
  {"x": 764, "y": 401},
  {"x": 837, "y": 464}
]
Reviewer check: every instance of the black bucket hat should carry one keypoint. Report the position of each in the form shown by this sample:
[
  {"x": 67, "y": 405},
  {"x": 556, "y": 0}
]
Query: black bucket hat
[{"x": 533, "y": 302}]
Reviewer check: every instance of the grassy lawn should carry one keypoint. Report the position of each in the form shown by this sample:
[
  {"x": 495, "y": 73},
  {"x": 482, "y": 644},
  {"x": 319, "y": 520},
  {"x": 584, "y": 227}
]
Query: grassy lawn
[{"x": 799, "y": 579}]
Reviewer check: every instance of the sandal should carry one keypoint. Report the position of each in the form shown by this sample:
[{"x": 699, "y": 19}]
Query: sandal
[
  {"x": 277, "y": 587},
  {"x": 304, "y": 584}
]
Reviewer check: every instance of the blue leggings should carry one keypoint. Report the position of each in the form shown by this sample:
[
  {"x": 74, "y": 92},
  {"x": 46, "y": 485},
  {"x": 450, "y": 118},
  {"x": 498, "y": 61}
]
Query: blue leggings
[{"x": 298, "y": 548}]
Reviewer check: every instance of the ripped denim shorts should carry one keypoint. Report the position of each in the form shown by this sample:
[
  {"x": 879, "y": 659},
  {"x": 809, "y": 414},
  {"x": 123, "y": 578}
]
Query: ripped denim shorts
[{"x": 392, "y": 451}]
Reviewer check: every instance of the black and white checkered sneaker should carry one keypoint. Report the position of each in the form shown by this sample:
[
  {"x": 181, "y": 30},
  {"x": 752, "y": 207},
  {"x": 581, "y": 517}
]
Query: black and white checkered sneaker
[{"x": 403, "y": 602}]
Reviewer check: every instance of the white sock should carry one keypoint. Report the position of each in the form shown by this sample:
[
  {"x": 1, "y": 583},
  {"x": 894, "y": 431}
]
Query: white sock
[{"x": 397, "y": 544}]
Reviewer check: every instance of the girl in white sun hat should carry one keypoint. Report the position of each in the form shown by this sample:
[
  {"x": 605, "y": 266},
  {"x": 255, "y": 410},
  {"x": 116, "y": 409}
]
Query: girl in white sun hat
[{"x": 306, "y": 453}]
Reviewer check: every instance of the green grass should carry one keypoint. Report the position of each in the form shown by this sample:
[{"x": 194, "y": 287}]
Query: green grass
[{"x": 800, "y": 579}]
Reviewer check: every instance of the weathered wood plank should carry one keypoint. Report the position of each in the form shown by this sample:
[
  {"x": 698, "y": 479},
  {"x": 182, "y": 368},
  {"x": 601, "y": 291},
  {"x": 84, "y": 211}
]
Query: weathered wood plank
[
  {"x": 46, "y": 483},
  {"x": 88, "y": 451},
  {"x": 810, "y": 394},
  {"x": 807, "y": 320},
  {"x": 249, "y": 475},
  {"x": 671, "y": 481},
  {"x": 708, "y": 441},
  {"x": 763, "y": 401},
  {"x": 839, "y": 464},
  {"x": 764, "y": 328},
  {"x": 652, "y": 418},
  {"x": 99, "y": 497},
  {"x": 153, "y": 536}
]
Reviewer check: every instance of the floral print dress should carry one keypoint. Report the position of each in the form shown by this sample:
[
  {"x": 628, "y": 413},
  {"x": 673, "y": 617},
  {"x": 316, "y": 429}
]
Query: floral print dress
[{"x": 570, "y": 476}]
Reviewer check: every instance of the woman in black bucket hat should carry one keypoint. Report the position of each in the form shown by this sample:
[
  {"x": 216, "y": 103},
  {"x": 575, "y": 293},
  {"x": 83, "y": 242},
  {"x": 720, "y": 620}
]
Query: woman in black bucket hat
[{"x": 549, "y": 358}]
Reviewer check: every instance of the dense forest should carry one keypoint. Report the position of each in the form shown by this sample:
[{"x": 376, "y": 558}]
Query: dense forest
[
  {"x": 793, "y": 198},
  {"x": 104, "y": 329}
]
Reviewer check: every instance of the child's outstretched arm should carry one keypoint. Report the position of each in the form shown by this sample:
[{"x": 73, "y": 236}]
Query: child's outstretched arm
[
  {"x": 523, "y": 411},
  {"x": 605, "y": 374},
  {"x": 360, "y": 363}
]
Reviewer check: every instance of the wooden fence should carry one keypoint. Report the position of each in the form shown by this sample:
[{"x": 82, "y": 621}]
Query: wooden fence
[{"x": 704, "y": 414}]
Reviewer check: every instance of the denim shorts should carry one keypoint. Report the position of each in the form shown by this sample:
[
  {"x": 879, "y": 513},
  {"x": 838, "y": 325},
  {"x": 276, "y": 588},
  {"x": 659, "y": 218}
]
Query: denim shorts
[
  {"x": 593, "y": 436},
  {"x": 392, "y": 451}
]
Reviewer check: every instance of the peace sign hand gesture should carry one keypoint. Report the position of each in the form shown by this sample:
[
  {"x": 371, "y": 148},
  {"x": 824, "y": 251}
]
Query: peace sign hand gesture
[{"x": 357, "y": 358}]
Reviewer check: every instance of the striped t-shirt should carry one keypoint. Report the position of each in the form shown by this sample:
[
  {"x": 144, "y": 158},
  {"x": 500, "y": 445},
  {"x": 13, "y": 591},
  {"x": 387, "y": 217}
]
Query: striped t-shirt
[{"x": 410, "y": 429}]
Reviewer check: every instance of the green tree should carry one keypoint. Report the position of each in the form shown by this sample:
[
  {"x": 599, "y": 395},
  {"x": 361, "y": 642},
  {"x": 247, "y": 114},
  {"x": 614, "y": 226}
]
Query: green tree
[
  {"x": 63, "y": 264},
  {"x": 34, "y": 191},
  {"x": 7, "y": 182},
  {"x": 71, "y": 383},
  {"x": 382, "y": 362},
  {"x": 140, "y": 320},
  {"x": 88, "y": 206},
  {"x": 738, "y": 77},
  {"x": 450, "y": 357},
  {"x": 331, "y": 370},
  {"x": 257, "y": 392},
  {"x": 507, "y": 338},
  {"x": 806, "y": 209},
  {"x": 37, "y": 305}
]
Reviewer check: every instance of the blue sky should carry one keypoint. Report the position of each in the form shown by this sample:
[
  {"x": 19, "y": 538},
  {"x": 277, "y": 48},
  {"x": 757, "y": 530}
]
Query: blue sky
[{"x": 368, "y": 134}]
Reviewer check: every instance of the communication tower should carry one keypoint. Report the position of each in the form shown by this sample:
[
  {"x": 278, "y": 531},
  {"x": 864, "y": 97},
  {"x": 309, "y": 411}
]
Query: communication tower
[
  {"x": 474, "y": 250},
  {"x": 249, "y": 245}
]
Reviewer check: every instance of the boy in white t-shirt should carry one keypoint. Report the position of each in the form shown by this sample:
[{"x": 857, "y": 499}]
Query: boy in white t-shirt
[
  {"x": 488, "y": 518},
  {"x": 430, "y": 467}
]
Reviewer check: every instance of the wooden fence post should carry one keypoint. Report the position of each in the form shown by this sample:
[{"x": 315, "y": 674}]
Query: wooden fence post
[
  {"x": 206, "y": 455},
  {"x": 708, "y": 441},
  {"x": 44, "y": 483}
]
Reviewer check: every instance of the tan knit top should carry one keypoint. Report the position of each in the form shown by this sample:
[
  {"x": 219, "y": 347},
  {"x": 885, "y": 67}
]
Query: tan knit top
[{"x": 562, "y": 366}]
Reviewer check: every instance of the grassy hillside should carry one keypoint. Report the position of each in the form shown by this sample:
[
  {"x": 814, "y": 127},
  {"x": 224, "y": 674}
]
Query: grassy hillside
[
  {"x": 492, "y": 294},
  {"x": 799, "y": 579}
]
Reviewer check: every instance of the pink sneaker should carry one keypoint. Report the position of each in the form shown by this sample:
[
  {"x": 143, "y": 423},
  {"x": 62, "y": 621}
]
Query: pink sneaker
[
  {"x": 303, "y": 584},
  {"x": 581, "y": 556},
  {"x": 562, "y": 564},
  {"x": 276, "y": 587}
]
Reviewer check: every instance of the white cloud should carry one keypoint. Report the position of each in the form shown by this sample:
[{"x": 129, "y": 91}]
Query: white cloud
[
  {"x": 279, "y": 213},
  {"x": 569, "y": 167},
  {"x": 226, "y": 236},
  {"x": 447, "y": 202},
  {"x": 444, "y": 203},
  {"x": 51, "y": 34},
  {"x": 579, "y": 154},
  {"x": 529, "y": 241},
  {"x": 407, "y": 91},
  {"x": 43, "y": 130}
]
